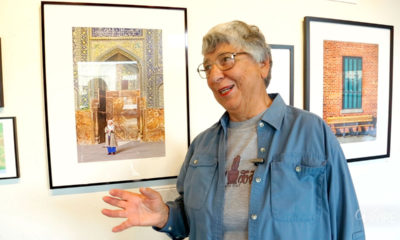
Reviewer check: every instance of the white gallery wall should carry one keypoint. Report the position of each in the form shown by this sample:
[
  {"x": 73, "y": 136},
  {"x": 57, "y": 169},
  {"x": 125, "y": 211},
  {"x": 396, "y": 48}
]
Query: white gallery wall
[{"x": 30, "y": 210}]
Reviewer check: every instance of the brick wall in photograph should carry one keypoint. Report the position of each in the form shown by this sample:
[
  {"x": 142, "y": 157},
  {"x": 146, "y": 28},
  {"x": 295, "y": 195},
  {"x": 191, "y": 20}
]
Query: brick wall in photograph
[{"x": 334, "y": 51}]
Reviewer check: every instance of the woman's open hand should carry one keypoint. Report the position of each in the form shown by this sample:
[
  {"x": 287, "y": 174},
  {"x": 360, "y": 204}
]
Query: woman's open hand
[{"x": 144, "y": 209}]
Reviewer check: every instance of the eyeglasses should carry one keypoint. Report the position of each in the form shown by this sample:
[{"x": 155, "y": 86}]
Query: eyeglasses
[{"x": 224, "y": 61}]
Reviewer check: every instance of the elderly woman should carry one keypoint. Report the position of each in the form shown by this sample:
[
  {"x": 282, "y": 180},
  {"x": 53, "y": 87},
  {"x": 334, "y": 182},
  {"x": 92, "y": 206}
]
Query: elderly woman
[
  {"x": 111, "y": 141},
  {"x": 265, "y": 170}
]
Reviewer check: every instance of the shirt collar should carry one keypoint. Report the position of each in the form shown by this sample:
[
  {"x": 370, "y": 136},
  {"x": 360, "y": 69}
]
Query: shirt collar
[
  {"x": 276, "y": 111},
  {"x": 273, "y": 116},
  {"x": 225, "y": 121}
]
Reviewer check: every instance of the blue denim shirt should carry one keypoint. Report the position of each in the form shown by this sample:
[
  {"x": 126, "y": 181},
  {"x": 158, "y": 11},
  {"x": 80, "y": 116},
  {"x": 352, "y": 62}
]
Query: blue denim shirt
[{"x": 303, "y": 190}]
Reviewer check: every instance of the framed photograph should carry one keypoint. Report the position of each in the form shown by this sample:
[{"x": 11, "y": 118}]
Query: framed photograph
[
  {"x": 8, "y": 148},
  {"x": 282, "y": 72},
  {"x": 116, "y": 92},
  {"x": 348, "y": 82},
  {"x": 1, "y": 80}
]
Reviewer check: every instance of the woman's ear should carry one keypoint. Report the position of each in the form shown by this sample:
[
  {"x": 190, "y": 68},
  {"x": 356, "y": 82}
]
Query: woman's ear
[{"x": 264, "y": 68}]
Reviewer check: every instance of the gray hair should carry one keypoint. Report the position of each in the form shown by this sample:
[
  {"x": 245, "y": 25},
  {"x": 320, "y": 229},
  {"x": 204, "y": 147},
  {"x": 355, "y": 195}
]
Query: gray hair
[{"x": 241, "y": 35}]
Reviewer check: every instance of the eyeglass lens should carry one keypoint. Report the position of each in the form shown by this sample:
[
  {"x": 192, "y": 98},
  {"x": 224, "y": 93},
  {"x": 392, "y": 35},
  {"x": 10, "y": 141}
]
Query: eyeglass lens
[{"x": 224, "y": 62}]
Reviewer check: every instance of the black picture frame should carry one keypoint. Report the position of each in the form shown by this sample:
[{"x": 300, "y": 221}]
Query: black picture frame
[
  {"x": 64, "y": 150},
  {"x": 334, "y": 79},
  {"x": 283, "y": 66},
  {"x": 9, "y": 166}
]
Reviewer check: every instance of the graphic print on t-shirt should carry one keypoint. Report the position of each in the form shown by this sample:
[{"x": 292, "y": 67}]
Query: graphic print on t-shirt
[{"x": 236, "y": 176}]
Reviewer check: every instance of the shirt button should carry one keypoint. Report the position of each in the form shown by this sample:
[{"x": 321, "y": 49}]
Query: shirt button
[
  {"x": 261, "y": 124},
  {"x": 258, "y": 179},
  {"x": 254, "y": 217},
  {"x": 298, "y": 169},
  {"x": 195, "y": 161},
  {"x": 262, "y": 149},
  {"x": 169, "y": 228}
]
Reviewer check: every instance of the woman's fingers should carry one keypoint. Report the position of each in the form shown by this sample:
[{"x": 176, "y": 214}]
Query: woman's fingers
[
  {"x": 114, "y": 213},
  {"x": 115, "y": 202},
  {"x": 122, "y": 226},
  {"x": 122, "y": 194},
  {"x": 140, "y": 209},
  {"x": 118, "y": 193},
  {"x": 150, "y": 193}
]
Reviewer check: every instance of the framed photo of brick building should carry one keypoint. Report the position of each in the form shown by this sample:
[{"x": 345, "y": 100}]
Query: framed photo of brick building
[
  {"x": 282, "y": 73},
  {"x": 116, "y": 92},
  {"x": 348, "y": 82}
]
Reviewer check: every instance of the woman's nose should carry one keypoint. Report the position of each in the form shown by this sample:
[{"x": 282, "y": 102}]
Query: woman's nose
[{"x": 215, "y": 74}]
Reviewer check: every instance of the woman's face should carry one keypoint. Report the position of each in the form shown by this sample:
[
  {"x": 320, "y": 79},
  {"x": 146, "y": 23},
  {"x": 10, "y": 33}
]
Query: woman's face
[{"x": 241, "y": 89}]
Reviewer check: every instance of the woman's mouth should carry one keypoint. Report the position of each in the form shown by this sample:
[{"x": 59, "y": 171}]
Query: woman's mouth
[{"x": 226, "y": 90}]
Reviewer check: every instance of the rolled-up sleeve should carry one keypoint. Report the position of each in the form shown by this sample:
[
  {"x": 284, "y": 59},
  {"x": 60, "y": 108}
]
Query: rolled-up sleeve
[
  {"x": 177, "y": 224},
  {"x": 345, "y": 215}
]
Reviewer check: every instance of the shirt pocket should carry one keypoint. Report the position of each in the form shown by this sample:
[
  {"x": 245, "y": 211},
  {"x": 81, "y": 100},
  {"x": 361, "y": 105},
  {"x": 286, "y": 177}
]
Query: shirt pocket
[
  {"x": 296, "y": 191},
  {"x": 198, "y": 180}
]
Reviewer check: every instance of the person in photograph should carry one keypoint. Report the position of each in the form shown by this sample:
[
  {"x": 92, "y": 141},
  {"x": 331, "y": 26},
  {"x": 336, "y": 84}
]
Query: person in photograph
[
  {"x": 111, "y": 141},
  {"x": 265, "y": 170}
]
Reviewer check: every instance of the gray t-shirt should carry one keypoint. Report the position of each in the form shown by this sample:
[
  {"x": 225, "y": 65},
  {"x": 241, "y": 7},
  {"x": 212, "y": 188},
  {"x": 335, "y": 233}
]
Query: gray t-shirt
[{"x": 242, "y": 147}]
